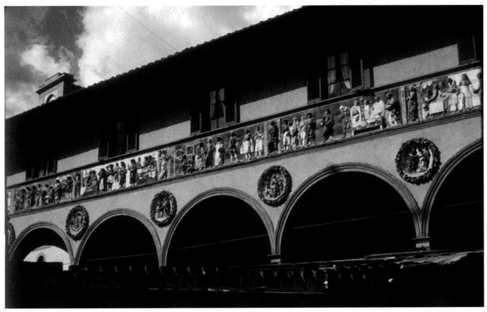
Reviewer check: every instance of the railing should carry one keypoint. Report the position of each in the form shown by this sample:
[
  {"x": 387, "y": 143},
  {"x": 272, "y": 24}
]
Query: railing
[
  {"x": 311, "y": 277},
  {"x": 418, "y": 102}
]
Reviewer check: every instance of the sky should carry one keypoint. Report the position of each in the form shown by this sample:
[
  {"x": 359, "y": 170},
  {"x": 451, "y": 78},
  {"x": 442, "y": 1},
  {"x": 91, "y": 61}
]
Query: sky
[{"x": 97, "y": 43}]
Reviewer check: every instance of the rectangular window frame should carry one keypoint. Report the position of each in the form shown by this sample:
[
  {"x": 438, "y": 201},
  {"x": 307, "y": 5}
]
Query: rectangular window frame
[
  {"x": 220, "y": 111},
  {"x": 332, "y": 74},
  {"x": 118, "y": 137}
]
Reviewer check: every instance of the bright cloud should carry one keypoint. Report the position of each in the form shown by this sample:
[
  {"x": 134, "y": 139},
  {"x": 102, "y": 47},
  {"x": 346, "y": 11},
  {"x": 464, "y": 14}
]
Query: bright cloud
[
  {"x": 262, "y": 13},
  {"x": 19, "y": 99},
  {"x": 114, "y": 42},
  {"x": 38, "y": 56}
]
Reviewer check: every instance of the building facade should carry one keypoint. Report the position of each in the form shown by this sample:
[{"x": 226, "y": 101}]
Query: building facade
[{"x": 309, "y": 140}]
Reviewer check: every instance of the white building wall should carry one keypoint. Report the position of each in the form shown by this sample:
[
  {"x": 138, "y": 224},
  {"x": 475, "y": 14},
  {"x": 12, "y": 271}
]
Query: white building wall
[
  {"x": 416, "y": 66},
  {"x": 76, "y": 161},
  {"x": 274, "y": 105},
  {"x": 16, "y": 178},
  {"x": 165, "y": 135}
]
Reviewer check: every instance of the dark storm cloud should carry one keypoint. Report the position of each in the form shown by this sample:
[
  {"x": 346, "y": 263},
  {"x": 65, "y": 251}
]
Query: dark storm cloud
[
  {"x": 64, "y": 24},
  {"x": 55, "y": 29}
]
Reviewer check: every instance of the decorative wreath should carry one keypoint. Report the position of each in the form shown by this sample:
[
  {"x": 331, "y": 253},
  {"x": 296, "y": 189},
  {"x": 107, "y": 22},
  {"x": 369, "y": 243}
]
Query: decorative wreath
[
  {"x": 10, "y": 234},
  {"x": 418, "y": 160},
  {"x": 163, "y": 208},
  {"x": 77, "y": 222},
  {"x": 274, "y": 186}
]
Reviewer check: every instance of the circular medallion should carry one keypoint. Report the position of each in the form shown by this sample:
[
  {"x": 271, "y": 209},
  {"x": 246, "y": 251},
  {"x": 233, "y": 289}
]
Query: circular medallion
[
  {"x": 274, "y": 186},
  {"x": 163, "y": 208},
  {"x": 77, "y": 222},
  {"x": 418, "y": 160},
  {"x": 10, "y": 234}
]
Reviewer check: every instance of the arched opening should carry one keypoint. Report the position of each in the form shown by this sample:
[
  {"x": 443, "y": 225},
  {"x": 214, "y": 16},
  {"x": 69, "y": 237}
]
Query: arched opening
[
  {"x": 41, "y": 241},
  {"x": 120, "y": 241},
  {"x": 35, "y": 270},
  {"x": 456, "y": 220},
  {"x": 347, "y": 215},
  {"x": 49, "y": 254},
  {"x": 220, "y": 230}
]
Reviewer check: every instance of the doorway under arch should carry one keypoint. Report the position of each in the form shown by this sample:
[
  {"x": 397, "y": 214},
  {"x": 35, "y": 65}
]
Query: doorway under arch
[
  {"x": 347, "y": 215},
  {"x": 119, "y": 241},
  {"x": 29, "y": 282},
  {"x": 219, "y": 231},
  {"x": 456, "y": 219},
  {"x": 38, "y": 236}
]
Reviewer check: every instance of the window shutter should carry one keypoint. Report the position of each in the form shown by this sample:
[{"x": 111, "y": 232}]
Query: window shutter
[
  {"x": 51, "y": 165},
  {"x": 195, "y": 121},
  {"x": 466, "y": 50},
  {"x": 313, "y": 89},
  {"x": 132, "y": 136},
  {"x": 230, "y": 107},
  {"x": 29, "y": 173},
  {"x": 356, "y": 69},
  {"x": 213, "y": 111},
  {"x": 132, "y": 141},
  {"x": 212, "y": 97},
  {"x": 103, "y": 148},
  {"x": 221, "y": 95},
  {"x": 120, "y": 142},
  {"x": 367, "y": 78}
]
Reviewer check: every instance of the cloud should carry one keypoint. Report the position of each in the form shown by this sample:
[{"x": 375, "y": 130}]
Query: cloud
[
  {"x": 262, "y": 13},
  {"x": 114, "y": 41},
  {"x": 38, "y": 57},
  {"x": 30, "y": 57},
  {"x": 109, "y": 41},
  {"x": 19, "y": 99}
]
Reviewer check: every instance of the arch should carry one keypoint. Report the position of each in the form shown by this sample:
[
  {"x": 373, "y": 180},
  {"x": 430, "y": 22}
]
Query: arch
[
  {"x": 116, "y": 213},
  {"x": 50, "y": 98},
  {"x": 441, "y": 177},
  {"x": 43, "y": 225},
  {"x": 342, "y": 168},
  {"x": 213, "y": 193}
]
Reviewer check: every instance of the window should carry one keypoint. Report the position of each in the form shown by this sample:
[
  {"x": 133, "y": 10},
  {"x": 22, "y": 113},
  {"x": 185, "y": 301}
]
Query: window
[
  {"x": 41, "y": 167},
  {"x": 341, "y": 76},
  {"x": 466, "y": 50},
  {"x": 338, "y": 75},
  {"x": 118, "y": 138},
  {"x": 221, "y": 110}
]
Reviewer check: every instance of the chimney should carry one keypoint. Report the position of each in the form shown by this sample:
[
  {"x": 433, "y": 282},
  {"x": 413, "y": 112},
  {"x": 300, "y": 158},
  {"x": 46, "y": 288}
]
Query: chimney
[{"x": 59, "y": 85}]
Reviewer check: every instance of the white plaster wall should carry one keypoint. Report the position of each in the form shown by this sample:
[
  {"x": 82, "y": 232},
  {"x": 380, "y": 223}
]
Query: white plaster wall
[
  {"x": 16, "y": 178},
  {"x": 415, "y": 66},
  {"x": 78, "y": 160},
  {"x": 273, "y": 105},
  {"x": 165, "y": 135}
]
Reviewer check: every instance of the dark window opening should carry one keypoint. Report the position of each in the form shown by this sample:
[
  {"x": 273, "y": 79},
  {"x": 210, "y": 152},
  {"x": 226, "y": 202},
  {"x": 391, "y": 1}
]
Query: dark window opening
[
  {"x": 220, "y": 111},
  {"x": 338, "y": 75},
  {"x": 343, "y": 75},
  {"x": 43, "y": 166},
  {"x": 118, "y": 138},
  {"x": 467, "y": 50}
]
